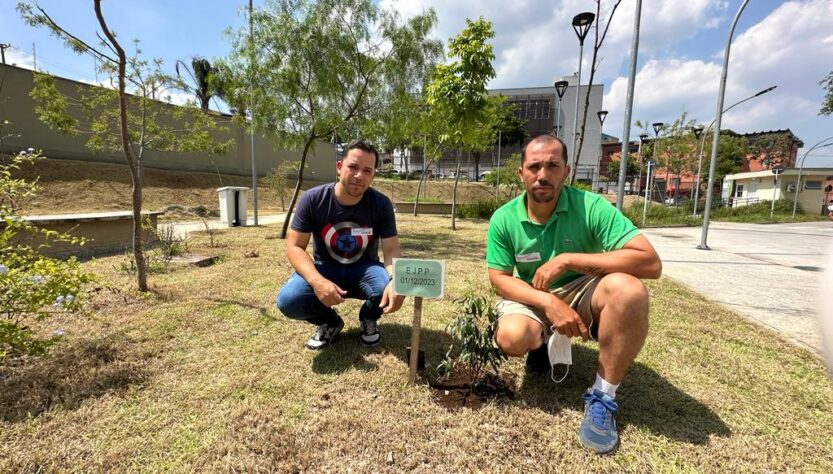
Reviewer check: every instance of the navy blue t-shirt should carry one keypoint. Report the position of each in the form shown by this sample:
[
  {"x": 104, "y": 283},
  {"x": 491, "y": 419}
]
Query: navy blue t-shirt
[{"x": 344, "y": 234}]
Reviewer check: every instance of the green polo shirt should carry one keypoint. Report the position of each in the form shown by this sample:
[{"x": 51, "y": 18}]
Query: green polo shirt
[{"x": 583, "y": 222}]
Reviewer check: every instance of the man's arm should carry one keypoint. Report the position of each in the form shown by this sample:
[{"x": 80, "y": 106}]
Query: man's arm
[
  {"x": 637, "y": 258},
  {"x": 296, "y": 252},
  {"x": 560, "y": 315},
  {"x": 390, "y": 250}
]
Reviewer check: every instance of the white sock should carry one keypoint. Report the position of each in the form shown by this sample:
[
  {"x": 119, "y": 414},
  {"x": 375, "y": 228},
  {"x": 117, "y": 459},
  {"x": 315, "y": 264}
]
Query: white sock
[{"x": 604, "y": 386}]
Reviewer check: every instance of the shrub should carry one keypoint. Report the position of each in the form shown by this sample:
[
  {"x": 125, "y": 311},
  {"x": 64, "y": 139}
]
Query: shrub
[
  {"x": 32, "y": 286},
  {"x": 482, "y": 209},
  {"x": 472, "y": 352}
]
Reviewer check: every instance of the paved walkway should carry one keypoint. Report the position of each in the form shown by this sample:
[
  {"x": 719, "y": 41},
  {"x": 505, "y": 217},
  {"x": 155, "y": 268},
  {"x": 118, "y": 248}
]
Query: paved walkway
[
  {"x": 768, "y": 273},
  {"x": 184, "y": 228}
]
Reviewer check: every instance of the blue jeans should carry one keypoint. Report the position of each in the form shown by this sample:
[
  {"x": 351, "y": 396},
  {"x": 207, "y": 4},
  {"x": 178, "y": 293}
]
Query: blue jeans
[{"x": 363, "y": 281}]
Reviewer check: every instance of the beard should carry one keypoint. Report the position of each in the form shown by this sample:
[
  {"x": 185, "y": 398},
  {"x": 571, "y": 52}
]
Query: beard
[{"x": 543, "y": 197}]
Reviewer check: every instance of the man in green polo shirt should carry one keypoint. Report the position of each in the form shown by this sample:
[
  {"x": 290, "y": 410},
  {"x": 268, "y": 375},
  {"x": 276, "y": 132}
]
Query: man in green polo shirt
[{"x": 567, "y": 263}]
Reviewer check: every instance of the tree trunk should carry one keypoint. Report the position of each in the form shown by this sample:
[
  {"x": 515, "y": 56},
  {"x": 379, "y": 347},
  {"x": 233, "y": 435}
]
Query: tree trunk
[
  {"x": 477, "y": 166},
  {"x": 454, "y": 194},
  {"x": 300, "y": 181},
  {"x": 138, "y": 252},
  {"x": 419, "y": 186}
]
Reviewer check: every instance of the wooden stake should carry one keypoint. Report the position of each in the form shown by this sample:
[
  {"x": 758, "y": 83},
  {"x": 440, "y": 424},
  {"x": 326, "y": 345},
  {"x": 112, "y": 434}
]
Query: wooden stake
[{"x": 415, "y": 329}]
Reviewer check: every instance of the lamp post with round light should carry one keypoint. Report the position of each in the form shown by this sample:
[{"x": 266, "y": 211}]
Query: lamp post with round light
[
  {"x": 560, "y": 88},
  {"x": 581, "y": 25}
]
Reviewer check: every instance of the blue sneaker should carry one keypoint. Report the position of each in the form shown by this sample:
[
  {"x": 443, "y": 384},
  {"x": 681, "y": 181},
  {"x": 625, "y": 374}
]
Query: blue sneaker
[{"x": 598, "y": 428}]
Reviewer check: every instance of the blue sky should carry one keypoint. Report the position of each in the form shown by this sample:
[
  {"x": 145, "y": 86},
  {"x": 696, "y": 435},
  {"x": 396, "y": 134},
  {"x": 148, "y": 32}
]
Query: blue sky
[{"x": 784, "y": 43}]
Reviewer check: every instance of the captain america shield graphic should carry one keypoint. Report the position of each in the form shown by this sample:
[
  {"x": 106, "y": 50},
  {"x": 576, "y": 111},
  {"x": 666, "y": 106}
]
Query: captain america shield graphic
[{"x": 342, "y": 244}]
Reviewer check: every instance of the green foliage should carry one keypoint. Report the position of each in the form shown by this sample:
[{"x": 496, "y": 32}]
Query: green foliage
[
  {"x": 32, "y": 286},
  {"x": 281, "y": 178},
  {"x": 473, "y": 351},
  {"x": 731, "y": 151},
  {"x": 457, "y": 90},
  {"x": 583, "y": 186},
  {"x": 508, "y": 172},
  {"x": 633, "y": 168},
  {"x": 315, "y": 77},
  {"x": 512, "y": 129},
  {"x": 827, "y": 103},
  {"x": 480, "y": 209}
]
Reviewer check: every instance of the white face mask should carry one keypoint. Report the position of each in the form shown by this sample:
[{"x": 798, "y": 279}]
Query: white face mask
[{"x": 560, "y": 353}]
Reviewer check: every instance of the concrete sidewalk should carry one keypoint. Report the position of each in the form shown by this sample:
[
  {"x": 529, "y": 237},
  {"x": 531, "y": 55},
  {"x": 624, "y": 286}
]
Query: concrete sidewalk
[
  {"x": 767, "y": 273},
  {"x": 185, "y": 228}
]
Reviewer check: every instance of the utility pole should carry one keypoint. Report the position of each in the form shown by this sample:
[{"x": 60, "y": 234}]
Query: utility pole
[
  {"x": 34, "y": 56},
  {"x": 252, "y": 107},
  {"x": 3, "y": 47}
]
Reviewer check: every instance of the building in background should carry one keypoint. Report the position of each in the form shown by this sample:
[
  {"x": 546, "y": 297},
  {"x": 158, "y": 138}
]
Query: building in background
[{"x": 537, "y": 106}]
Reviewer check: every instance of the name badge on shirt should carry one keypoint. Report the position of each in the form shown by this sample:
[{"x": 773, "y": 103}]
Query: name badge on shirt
[
  {"x": 355, "y": 231},
  {"x": 528, "y": 257}
]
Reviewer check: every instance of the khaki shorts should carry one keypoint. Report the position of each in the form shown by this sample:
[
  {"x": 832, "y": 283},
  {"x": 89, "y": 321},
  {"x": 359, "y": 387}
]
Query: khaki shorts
[{"x": 578, "y": 294}]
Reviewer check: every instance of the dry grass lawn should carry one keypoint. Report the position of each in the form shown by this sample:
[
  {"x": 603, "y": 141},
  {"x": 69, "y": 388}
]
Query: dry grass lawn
[
  {"x": 68, "y": 186},
  {"x": 203, "y": 375}
]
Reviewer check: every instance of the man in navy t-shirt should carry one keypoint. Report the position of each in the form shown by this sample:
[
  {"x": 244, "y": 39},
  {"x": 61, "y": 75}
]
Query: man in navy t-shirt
[{"x": 347, "y": 220}]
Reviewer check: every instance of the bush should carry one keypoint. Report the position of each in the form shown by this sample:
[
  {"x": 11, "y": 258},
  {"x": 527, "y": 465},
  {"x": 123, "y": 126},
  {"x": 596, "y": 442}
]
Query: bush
[
  {"x": 472, "y": 352},
  {"x": 32, "y": 286},
  {"x": 481, "y": 209}
]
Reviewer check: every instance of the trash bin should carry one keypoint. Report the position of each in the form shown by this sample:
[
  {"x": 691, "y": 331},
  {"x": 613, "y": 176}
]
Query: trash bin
[{"x": 233, "y": 205}]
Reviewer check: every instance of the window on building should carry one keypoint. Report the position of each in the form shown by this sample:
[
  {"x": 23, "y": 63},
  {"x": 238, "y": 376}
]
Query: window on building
[
  {"x": 738, "y": 191},
  {"x": 545, "y": 109},
  {"x": 813, "y": 185}
]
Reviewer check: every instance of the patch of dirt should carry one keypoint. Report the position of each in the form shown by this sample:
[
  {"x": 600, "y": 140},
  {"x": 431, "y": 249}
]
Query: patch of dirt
[{"x": 453, "y": 392}]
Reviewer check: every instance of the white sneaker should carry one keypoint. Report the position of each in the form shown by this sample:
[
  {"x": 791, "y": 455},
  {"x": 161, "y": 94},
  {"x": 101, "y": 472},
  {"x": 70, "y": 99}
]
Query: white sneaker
[{"x": 324, "y": 335}]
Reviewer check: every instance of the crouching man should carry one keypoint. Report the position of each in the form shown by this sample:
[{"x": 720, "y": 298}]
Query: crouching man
[
  {"x": 566, "y": 261},
  {"x": 347, "y": 220}
]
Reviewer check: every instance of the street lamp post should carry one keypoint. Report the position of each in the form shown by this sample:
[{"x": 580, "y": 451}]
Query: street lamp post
[
  {"x": 703, "y": 142},
  {"x": 602, "y": 114},
  {"x": 801, "y": 168},
  {"x": 581, "y": 25},
  {"x": 697, "y": 131},
  {"x": 626, "y": 133},
  {"x": 657, "y": 126},
  {"x": 650, "y": 163},
  {"x": 716, "y": 135},
  {"x": 560, "y": 88},
  {"x": 643, "y": 137}
]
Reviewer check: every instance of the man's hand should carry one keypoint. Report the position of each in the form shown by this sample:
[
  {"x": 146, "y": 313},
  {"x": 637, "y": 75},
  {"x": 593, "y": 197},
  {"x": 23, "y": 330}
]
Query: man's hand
[
  {"x": 328, "y": 292},
  {"x": 565, "y": 319},
  {"x": 390, "y": 302},
  {"x": 547, "y": 273}
]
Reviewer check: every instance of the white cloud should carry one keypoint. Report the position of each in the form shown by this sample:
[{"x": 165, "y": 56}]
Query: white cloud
[
  {"x": 785, "y": 49},
  {"x": 19, "y": 58},
  {"x": 535, "y": 41}
]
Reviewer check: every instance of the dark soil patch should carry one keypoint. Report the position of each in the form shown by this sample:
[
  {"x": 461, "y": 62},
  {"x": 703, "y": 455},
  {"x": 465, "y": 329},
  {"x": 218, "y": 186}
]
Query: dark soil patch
[{"x": 453, "y": 392}]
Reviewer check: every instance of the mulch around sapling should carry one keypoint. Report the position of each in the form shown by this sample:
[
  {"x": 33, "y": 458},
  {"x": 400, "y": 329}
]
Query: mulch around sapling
[{"x": 454, "y": 390}]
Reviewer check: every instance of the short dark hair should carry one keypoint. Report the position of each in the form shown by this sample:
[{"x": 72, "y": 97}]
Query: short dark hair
[
  {"x": 545, "y": 138},
  {"x": 365, "y": 147}
]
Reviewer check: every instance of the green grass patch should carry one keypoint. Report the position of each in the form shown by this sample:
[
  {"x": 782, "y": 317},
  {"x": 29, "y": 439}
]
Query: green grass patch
[
  {"x": 202, "y": 374},
  {"x": 662, "y": 215}
]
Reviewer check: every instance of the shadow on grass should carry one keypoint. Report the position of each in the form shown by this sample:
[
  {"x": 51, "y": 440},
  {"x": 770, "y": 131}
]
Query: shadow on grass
[
  {"x": 439, "y": 246},
  {"x": 645, "y": 399},
  {"x": 68, "y": 376},
  {"x": 347, "y": 351}
]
